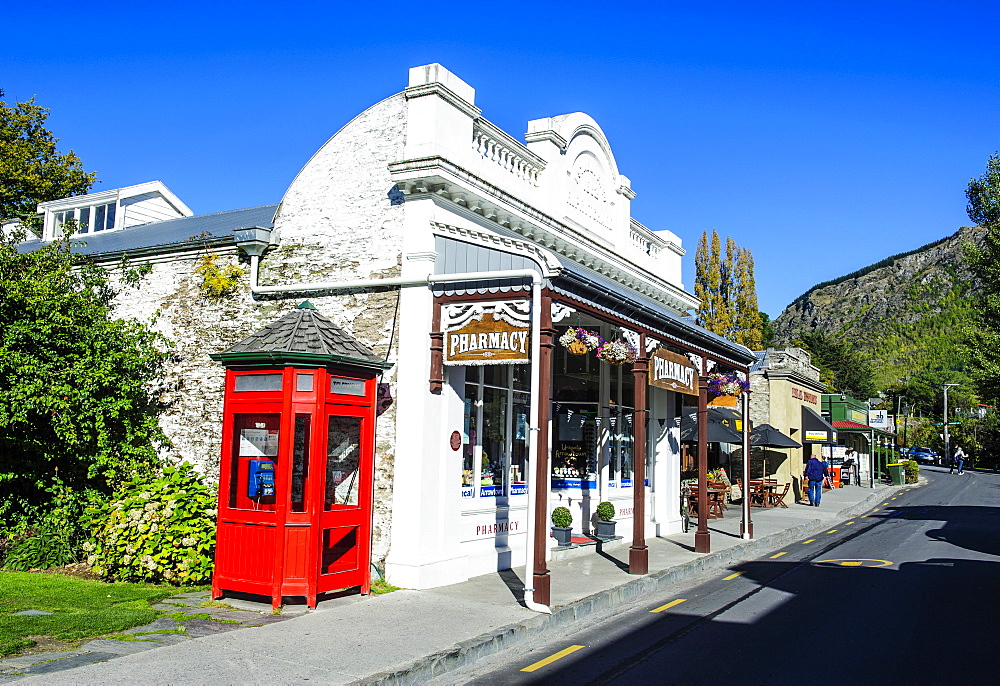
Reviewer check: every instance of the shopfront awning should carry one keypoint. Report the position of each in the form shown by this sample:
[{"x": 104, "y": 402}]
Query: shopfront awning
[{"x": 815, "y": 429}]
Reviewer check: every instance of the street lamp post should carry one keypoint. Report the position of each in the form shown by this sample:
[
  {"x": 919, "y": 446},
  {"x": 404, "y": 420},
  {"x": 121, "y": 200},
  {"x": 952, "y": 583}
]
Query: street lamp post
[{"x": 947, "y": 447}]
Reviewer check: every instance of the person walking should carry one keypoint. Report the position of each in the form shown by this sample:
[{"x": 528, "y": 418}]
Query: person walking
[
  {"x": 958, "y": 460},
  {"x": 815, "y": 472}
]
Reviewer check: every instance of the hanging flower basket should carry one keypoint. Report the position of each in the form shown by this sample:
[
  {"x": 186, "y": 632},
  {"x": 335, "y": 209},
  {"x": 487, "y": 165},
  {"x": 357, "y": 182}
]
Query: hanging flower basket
[
  {"x": 580, "y": 341},
  {"x": 617, "y": 352},
  {"x": 726, "y": 384}
]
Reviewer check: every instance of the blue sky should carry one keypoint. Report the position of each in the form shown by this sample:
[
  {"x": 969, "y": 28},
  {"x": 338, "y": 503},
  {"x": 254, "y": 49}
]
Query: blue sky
[{"x": 822, "y": 136}]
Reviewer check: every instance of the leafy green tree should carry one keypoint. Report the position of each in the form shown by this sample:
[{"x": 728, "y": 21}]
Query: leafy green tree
[
  {"x": 842, "y": 368},
  {"x": 31, "y": 169},
  {"x": 709, "y": 286},
  {"x": 983, "y": 335},
  {"x": 728, "y": 293},
  {"x": 77, "y": 406},
  {"x": 766, "y": 331}
]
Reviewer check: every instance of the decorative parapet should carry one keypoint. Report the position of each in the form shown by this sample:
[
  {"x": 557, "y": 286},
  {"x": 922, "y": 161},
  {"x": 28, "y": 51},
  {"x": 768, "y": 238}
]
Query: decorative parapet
[{"x": 496, "y": 146}]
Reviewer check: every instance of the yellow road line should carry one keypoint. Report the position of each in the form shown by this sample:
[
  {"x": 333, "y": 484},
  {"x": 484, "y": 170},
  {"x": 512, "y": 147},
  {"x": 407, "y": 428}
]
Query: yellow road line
[
  {"x": 809, "y": 541},
  {"x": 848, "y": 523},
  {"x": 669, "y": 605},
  {"x": 875, "y": 510},
  {"x": 778, "y": 555},
  {"x": 890, "y": 499},
  {"x": 863, "y": 516},
  {"x": 832, "y": 531},
  {"x": 551, "y": 658},
  {"x": 854, "y": 563},
  {"x": 732, "y": 576}
]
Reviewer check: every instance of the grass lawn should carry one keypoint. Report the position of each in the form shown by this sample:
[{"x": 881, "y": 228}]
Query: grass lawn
[{"x": 82, "y": 608}]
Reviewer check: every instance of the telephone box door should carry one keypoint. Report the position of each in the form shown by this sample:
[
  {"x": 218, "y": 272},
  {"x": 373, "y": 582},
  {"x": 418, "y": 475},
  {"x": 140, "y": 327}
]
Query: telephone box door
[{"x": 345, "y": 499}]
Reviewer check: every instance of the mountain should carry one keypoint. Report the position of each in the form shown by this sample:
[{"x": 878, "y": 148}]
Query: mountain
[{"x": 905, "y": 311}]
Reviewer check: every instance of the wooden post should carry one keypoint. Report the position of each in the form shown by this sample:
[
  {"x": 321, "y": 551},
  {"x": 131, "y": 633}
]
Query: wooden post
[
  {"x": 702, "y": 539},
  {"x": 541, "y": 581},
  {"x": 638, "y": 554},
  {"x": 436, "y": 382}
]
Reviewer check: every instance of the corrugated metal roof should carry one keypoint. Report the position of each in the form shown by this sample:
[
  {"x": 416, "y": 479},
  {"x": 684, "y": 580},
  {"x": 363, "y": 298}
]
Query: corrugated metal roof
[
  {"x": 168, "y": 235},
  {"x": 761, "y": 356}
]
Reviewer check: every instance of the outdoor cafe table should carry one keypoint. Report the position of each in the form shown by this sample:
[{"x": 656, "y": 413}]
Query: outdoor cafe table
[
  {"x": 760, "y": 492},
  {"x": 716, "y": 501}
]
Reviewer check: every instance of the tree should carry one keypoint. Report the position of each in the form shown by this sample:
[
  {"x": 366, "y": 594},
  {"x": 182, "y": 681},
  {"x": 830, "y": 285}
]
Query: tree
[
  {"x": 31, "y": 169},
  {"x": 77, "y": 405},
  {"x": 982, "y": 336},
  {"x": 713, "y": 313},
  {"x": 842, "y": 368},
  {"x": 728, "y": 293}
]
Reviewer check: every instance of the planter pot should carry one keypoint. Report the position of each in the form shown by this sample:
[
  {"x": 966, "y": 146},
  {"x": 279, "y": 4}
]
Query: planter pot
[
  {"x": 577, "y": 348},
  {"x": 563, "y": 535},
  {"x": 605, "y": 530},
  {"x": 725, "y": 401}
]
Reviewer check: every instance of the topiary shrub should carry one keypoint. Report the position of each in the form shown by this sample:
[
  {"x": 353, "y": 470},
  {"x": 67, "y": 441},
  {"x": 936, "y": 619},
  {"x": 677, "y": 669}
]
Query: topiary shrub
[
  {"x": 606, "y": 512},
  {"x": 156, "y": 531},
  {"x": 911, "y": 470},
  {"x": 562, "y": 517}
]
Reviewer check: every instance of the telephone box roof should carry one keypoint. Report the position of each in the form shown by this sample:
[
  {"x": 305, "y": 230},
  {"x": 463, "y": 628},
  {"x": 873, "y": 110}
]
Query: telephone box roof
[{"x": 301, "y": 337}]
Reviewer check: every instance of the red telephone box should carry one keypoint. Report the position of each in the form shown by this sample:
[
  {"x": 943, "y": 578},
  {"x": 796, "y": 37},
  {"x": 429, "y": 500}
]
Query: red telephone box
[{"x": 295, "y": 483}]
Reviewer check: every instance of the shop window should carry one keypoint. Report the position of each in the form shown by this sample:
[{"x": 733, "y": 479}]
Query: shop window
[
  {"x": 494, "y": 457},
  {"x": 621, "y": 432},
  {"x": 576, "y": 378}
]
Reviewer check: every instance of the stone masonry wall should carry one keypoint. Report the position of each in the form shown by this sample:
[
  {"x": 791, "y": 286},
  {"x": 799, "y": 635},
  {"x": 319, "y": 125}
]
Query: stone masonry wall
[{"x": 336, "y": 222}]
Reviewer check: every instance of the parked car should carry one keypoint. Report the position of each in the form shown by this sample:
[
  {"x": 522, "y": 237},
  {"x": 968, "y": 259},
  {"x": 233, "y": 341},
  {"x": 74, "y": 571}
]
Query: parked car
[{"x": 923, "y": 455}]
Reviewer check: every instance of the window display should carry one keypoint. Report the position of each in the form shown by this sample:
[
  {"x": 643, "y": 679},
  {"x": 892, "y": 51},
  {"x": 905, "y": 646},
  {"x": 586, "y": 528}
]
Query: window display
[{"x": 495, "y": 450}]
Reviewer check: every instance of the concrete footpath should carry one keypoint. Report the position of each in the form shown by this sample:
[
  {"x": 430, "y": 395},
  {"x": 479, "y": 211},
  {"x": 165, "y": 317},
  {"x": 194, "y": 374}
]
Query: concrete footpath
[{"x": 408, "y": 637}]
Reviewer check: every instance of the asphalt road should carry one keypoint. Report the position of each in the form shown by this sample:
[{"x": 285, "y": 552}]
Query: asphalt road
[{"x": 907, "y": 593}]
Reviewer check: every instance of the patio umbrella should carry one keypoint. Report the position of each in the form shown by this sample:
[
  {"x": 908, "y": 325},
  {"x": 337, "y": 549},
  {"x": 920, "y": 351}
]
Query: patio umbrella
[
  {"x": 766, "y": 436},
  {"x": 719, "y": 430}
]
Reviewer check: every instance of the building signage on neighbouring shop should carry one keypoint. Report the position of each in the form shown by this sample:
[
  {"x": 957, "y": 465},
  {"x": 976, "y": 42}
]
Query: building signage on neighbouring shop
[
  {"x": 799, "y": 394},
  {"x": 879, "y": 419},
  {"x": 673, "y": 372},
  {"x": 487, "y": 333}
]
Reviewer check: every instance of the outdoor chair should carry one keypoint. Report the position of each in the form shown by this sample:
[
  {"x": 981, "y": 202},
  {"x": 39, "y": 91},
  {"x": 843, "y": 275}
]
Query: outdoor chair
[{"x": 774, "y": 498}]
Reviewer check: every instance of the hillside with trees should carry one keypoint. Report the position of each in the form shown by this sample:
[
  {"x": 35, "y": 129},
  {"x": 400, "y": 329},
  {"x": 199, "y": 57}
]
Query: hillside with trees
[{"x": 906, "y": 314}]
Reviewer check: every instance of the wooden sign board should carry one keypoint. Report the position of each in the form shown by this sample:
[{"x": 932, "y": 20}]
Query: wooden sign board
[
  {"x": 673, "y": 372},
  {"x": 488, "y": 341}
]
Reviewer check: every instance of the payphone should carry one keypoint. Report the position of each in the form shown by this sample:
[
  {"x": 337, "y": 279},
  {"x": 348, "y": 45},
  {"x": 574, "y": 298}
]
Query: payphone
[{"x": 260, "y": 478}]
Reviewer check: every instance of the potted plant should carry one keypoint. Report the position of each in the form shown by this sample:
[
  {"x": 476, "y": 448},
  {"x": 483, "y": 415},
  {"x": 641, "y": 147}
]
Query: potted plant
[
  {"x": 617, "y": 352},
  {"x": 605, "y": 521},
  {"x": 580, "y": 341},
  {"x": 562, "y": 526}
]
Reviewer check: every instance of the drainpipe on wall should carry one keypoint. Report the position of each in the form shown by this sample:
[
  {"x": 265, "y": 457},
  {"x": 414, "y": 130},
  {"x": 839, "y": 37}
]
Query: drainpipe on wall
[{"x": 255, "y": 241}]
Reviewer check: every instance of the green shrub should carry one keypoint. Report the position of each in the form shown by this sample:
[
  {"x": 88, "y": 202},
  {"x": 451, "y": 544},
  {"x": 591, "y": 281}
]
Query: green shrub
[
  {"x": 40, "y": 538},
  {"x": 159, "y": 530},
  {"x": 606, "y": 512},
  {"x": 911, "y": 470},
  {"x": 562, "y": 517}
]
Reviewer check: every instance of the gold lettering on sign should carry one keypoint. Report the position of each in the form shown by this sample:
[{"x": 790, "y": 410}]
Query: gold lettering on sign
[
  {"x": 488, "y": 341},
  {"x": 673, "y": 372}
]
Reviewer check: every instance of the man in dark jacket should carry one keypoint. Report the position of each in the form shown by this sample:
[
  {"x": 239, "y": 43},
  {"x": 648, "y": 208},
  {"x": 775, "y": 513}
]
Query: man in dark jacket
[{"x": 815, "y": 472}]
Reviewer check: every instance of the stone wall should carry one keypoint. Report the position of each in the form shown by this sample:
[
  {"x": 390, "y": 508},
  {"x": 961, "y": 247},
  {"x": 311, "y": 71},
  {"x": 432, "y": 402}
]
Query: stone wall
[{"x": 336, "y": 222}]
